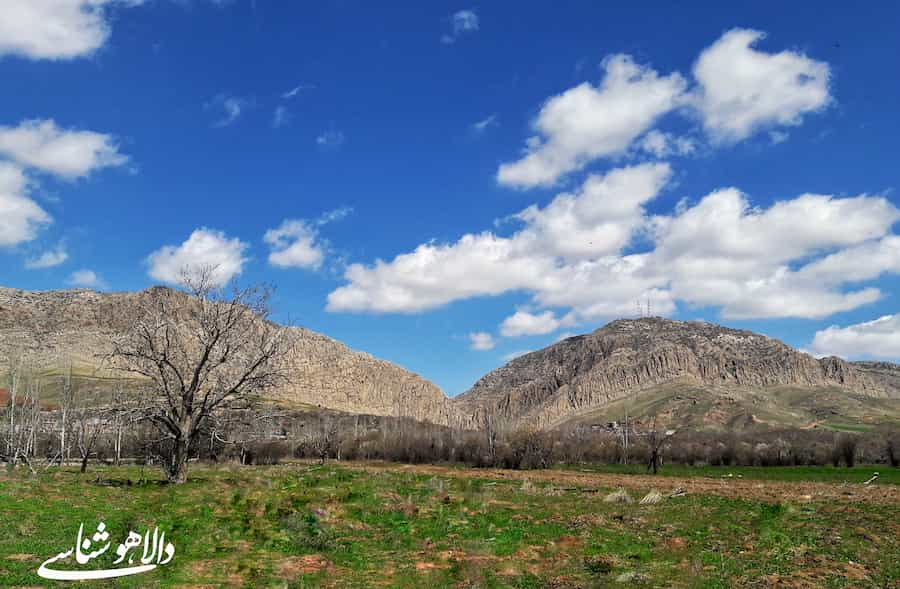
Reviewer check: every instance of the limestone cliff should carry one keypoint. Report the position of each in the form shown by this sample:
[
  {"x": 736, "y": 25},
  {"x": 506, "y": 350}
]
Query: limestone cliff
[
  {"x": 626, "y": 356},
  {"x": 77, "y": 325}
]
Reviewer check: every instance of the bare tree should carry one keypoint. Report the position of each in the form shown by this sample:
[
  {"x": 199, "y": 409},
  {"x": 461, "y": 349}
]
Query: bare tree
[
  {"x": 67, "y": 400},
  {"x": 26, "y": 420},
  {"x": 656, "y": 443},
  {"x": 322, "y": 441},
  {"x": 16, "y": 369},
  {"x": 495, "y": 425},
  {"x": 202, "y": 350},
  {"x": 89, "y": 424}
]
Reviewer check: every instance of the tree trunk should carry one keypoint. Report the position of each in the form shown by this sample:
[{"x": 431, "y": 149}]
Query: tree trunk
[
  {"x": 84, "y": 462},
  {"x": 176, "y": 471}
]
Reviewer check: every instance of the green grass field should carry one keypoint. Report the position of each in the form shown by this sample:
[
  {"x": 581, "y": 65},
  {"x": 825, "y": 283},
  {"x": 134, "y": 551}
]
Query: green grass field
[
  {"x": 824, "y": 474},
  {"x": 336, "y": 526}
]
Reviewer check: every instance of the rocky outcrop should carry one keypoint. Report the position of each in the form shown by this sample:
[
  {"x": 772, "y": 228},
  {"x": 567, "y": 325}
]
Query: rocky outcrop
[
  {"x": 78, "y": 325},
  {"x": 585, "y": 372}
]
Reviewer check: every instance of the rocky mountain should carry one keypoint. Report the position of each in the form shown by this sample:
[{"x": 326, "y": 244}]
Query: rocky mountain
[
  {"x": 625, "y": 358},
  {"x": 691, "y": 373},
  {"x": 77, "y": 326}
]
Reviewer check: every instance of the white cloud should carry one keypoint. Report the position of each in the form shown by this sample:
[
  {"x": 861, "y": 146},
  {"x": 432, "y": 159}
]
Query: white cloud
[
  {"x": 462, "y": 22},
  {"x": 723, "y": 252},
  {"x": 664, "y": 144},
  {"x": 86, "y": 279},
  {"x": 294, "y": 245},
  {"x": 48, "y": 259},
  {"x": 742, "y": 89},
  {"x": 20, "y": 217},
  {"x": 481, "y": 341},
  {"x": 586, "y": 122},
  {"x": 595, "y": 221},
  {"x": 739, "y": 91},
  {"x": 205, "y": 248},
  {"x": 296, "y": 242},
  {"x": 599, "y": 219},
  {"x": 855, "y": 264},
  {"x": 878, "y": 339},
  {"x": 482, "y": 125},
  {"x": 55, "y": 29},
  {"x": 66, "y": 153},
  {"x": 231, "y": 108},
  {"x": 578, "y": 254},
  {"x": 296, "y": 90},
  {"x": 331, "y": 139},
  {"x": 526, "y": 323}
]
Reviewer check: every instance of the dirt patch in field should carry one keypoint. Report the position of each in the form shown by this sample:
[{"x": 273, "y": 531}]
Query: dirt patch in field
[
  {"x": 303, "y": 565},
  {"x": 770, "y": 491}
]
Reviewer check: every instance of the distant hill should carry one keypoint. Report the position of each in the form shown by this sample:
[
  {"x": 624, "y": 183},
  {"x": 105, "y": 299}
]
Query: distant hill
[
  {"x": 689, "y": 374},
  {"x": 77, "y": 326}
]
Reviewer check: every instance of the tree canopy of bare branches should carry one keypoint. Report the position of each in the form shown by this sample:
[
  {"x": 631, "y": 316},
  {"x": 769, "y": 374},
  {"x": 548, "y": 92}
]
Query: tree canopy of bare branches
[{"x": 201, "y": 350}]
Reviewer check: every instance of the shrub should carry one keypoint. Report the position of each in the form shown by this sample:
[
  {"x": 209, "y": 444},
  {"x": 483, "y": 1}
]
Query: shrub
[{"x": 845, "y": 447}]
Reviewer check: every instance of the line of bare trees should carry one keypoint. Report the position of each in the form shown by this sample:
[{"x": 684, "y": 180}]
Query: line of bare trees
[
  {"x": 50, "y": 420},
  {"x": 205, "y": 356}
]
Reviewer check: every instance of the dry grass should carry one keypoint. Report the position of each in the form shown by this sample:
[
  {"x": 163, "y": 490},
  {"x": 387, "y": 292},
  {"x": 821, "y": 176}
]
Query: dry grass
[
  {"x": 652, "y": 498},
  {"x": 618, "y": 496}
]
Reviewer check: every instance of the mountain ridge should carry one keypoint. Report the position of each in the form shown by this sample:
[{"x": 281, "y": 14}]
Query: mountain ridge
[
  {"x": 569, "y": 379},
  {"x": 585, "y": 372},
  {"x": 78, "y": 324}
]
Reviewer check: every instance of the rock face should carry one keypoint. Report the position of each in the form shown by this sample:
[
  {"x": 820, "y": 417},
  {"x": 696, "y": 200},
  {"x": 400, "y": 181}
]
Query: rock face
[
  {"x": 626, "y": 356},
  {"x": 542, "y": 389},
  {"x": 78, "y": 325}
]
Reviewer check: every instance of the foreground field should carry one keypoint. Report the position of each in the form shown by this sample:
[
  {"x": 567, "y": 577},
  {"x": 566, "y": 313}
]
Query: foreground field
[{"x": 370, "y": 525}]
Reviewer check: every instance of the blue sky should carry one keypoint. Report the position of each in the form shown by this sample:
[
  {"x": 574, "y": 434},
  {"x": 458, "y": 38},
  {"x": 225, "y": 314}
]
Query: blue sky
[{"x": 521, "y": 170}]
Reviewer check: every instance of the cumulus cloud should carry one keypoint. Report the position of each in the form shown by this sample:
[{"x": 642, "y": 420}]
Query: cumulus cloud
[
  {"x": 204, "y": 249},
  {"x": 594, "y": 221},
  {"x": 809, "y": 256},
  {"x": 742, "y": 89},
  {"x": 724, "y": 252},
  {"x": 48, "y": 259},
  {"x": 294, "y": 245},
  {"x": 526, "y": 323},
  {"x": 481, "y": 341},
  {"x": 588, "y": 122},
  {"x": 876, "y": 339},
  {"x": 20, "y": 217},
  {"x": 55, "y": 29},
  {"x": 462, "y": 22},
  {"x": 86, "y": 279},
  {"x": 738, "y": 91},
  {"x": 70, "y": 154},
  {"x": 296, "y": 242}
]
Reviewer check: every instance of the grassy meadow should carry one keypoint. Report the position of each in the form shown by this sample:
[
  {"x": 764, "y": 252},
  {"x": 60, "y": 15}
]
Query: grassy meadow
[{"x": 354, "y": 525}]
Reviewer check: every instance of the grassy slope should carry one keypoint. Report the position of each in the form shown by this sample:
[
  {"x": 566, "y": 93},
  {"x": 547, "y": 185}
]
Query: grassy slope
[
  {"x": 690, "y": 406},
  {"x": 259, "y": 527}
]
